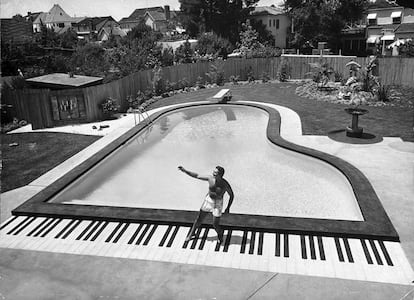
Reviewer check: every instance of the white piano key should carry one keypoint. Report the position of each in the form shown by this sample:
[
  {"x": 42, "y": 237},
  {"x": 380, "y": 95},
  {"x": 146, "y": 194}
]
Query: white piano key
[
  {"x": 99, "y": 246},
  {"x": 332, "y": 256},
  {"x": 23, "y": 242},
  {"x": 15, "y": 241},
  {"x": 169, "y": 252},
  {"x": 70, "y": 241},
  {"x": 123, "y": 249},
  {"x": 152, "y": 246},
  {"x": 349, "y": 269},
  {"x": 400, "y": 261},
  {"x": 208, "y": 251},
  {"x": 232, "y": 257},
  {"x": 159, "y": 251},
  {"x": 294, "y": 264},
  {"x": 194, "y": 253}
]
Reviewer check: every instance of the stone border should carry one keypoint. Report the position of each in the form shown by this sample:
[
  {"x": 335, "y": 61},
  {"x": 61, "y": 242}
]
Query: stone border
[{"x": 376, "y": 224}]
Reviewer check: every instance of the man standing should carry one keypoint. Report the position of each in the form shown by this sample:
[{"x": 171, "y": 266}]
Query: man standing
[{"x": 213, "y": 202}]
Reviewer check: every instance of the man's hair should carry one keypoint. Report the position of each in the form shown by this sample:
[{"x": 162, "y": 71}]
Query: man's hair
[{"x": 221, "y": 170}]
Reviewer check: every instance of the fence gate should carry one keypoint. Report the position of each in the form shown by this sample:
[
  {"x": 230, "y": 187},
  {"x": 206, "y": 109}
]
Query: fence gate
[{"x": 68, "y": 106}]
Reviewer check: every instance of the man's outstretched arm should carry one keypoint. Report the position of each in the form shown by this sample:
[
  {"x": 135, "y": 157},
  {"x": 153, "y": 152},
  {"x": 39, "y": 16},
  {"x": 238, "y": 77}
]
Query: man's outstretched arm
[{"x": 192, "y": 174}]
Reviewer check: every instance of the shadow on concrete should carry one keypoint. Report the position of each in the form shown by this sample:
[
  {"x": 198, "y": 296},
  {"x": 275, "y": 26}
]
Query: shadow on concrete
[{"x": 339, "y": 135}]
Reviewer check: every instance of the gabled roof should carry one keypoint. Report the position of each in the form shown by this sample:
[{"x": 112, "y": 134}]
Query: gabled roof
[
  {"x": 94, "y": 21},
  {"x": 156, "y": 15},
  {"x": 266, "y": 10},
  {"x": 114, "y": 31},
  {"x": 55, "y": 15},
  {"x": 140, "y": 12}
]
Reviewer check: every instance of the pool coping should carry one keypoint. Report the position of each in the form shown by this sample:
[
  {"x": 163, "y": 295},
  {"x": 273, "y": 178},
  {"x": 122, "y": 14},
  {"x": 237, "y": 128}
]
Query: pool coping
[{"x": 376, "y": 224}]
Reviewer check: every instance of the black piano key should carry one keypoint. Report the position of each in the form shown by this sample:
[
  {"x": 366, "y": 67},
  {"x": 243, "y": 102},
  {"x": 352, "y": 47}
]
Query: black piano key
[
  {"x": 112, "y": 234},
  {"x": 218, "y": 245},
  {"x": 37, "y": 227},
  {"x": 51, "y": 227},
  {"x": 339, "y": 250},
  {"x": 165, "y": 236},
  {"x": 154, "y": 227},
  {"x": 174, "y": 234},
  {"x": 227, "y": 241},
  {"x": 260, "y": 246},
  {"x": 85, "y": 230},
  {"x": 195, "y": 239},
  {"x": 132, "y": 239},
  {"x": 44, "y": 227},
  {"x": 71, "y": 229},
  {"x": 376, "y": 253},
  {"x": 277, "y": 246},
  {"x": 121, "y": 233},
  {"x": 8, "y": 222},
  {"x": 348, "y": 250},
  {"x": 367, "y": 255},
  {"x": 386, "y": 254},
  {"x": 286, "y": 245},
  {"x": 99, "y": 231},
  {"x": 243, "y": 244},
  {"x": 144, "y": 232},
  {"x": 321, "y": 248},
  {"x": 19, "y": 225},
  {"x": 312, "y": 247},
  {"x": 92, "y": 230},
  {"x": 24, "y": 226},
  {"x": 252, "y": 242},
  {"x": 203, "y": 239},
  {"x": 303, "y": 246},
  {"x": 64, "y": 229}
]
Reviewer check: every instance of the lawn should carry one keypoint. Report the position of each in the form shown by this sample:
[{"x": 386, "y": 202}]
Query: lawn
[{"x": 37, "y": 153}]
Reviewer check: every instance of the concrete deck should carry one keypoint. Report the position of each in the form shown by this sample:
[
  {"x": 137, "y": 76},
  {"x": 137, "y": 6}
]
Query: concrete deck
[{"x": 43, "y": 275}]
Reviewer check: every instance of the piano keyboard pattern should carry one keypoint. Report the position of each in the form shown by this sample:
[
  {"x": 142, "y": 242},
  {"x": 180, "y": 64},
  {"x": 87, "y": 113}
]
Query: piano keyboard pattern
[{"x": 347, "y": 258}]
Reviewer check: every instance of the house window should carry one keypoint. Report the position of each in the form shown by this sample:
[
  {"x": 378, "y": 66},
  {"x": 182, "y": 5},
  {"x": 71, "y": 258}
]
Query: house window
[
  {"x": 270, "y": 23},
  {"x": 396, "y": 17},
  {"x": 277, "y": 24},
  {"x": 61, "y": 25},
  {"x": 372, "y": 19}
]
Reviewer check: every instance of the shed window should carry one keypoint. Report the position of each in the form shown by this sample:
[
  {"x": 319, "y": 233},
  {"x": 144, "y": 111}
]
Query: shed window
[{"x": 277, "y": 24}]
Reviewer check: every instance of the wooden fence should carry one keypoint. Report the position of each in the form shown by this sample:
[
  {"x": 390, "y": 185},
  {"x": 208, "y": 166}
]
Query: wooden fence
[{"x": 35, "y": 106}]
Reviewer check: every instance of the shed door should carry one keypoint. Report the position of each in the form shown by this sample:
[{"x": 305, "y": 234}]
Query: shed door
[{"x": 66, "y": 107}]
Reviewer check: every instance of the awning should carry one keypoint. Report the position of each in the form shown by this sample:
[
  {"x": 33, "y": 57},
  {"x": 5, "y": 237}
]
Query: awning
[
  {"x": 396, "y": 14},
  {"x": 388, "y": 37},
  {"x": 372, "y": 39},
  {"x": 372, "y": 16}
]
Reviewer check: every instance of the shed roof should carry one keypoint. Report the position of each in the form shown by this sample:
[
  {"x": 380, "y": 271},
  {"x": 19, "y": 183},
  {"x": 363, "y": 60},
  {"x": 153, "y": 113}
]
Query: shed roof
[{"x": 63, "y": 80}]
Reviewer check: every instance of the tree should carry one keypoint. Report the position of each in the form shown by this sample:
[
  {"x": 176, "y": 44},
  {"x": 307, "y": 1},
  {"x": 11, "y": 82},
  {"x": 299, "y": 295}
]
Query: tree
[
  {"x": 214, "y": 45},
  {"x": 223, "y": 17},
  {"x": 322, "y": 20},
  {"x": 406, "y": 3}
]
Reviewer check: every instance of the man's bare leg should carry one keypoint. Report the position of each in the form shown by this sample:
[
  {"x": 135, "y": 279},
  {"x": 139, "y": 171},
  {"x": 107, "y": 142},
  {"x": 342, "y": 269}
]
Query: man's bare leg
[
  {"x": 217, "y": 227},
  {"x": 196, "y": 224}
]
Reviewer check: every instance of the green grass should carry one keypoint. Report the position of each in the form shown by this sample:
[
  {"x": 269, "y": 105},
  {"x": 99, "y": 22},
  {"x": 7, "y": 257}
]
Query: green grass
[{"x": 35, "y": 154}]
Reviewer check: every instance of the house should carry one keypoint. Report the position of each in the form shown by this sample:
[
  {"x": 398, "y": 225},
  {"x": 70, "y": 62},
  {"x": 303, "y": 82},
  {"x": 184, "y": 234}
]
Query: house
[
  {"x": 158, "y": 18},
  {"x": 353, "y": 40},
  {"x": 56, "y": 19},
  {"x": 89, "y": 29},
  {"x": 16, "y": 30},
  {"x": 386, "y": 25},
  {"x": 106, "y": 33},
  {"x": 275, "y": 20}
]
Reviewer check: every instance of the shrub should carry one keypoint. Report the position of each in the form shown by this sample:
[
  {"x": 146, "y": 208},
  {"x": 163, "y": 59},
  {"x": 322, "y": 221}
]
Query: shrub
[
  {"x": 265, "y": 77},
  {"x": 216, "y": 73},
  {"x": 109, "y": 106},
  {"x": 158, "y": 84},
  {"x": 321, "y": 72},
  {"x": 283, "y": 73},
  {"x": 200, "y": 83},
  {"x": 384, "y": 93},
  {"x": 234, "y": 79},
  {"x": 250, "y": 75}
]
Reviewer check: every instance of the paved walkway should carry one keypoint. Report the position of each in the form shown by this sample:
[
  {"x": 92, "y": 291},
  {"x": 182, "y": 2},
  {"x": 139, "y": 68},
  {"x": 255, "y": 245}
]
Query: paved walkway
[{"x": 45, "y": 275}]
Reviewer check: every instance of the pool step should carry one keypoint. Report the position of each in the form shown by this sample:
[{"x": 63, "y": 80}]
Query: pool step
[{"x": 337, "y": 257}]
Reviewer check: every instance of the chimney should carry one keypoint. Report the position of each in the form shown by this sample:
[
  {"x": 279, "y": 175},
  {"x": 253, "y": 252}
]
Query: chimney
[{"x": 167, "y": 12}]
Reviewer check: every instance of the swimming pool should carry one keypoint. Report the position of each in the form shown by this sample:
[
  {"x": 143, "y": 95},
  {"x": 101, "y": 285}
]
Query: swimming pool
[
  {"x": 267, "y": 179},
  {"x": 375, "y": 224}
]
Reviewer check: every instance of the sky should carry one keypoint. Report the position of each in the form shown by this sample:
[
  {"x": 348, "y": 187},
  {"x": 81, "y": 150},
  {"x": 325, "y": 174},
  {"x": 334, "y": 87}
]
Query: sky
[{"x": 118, "y": 9}]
